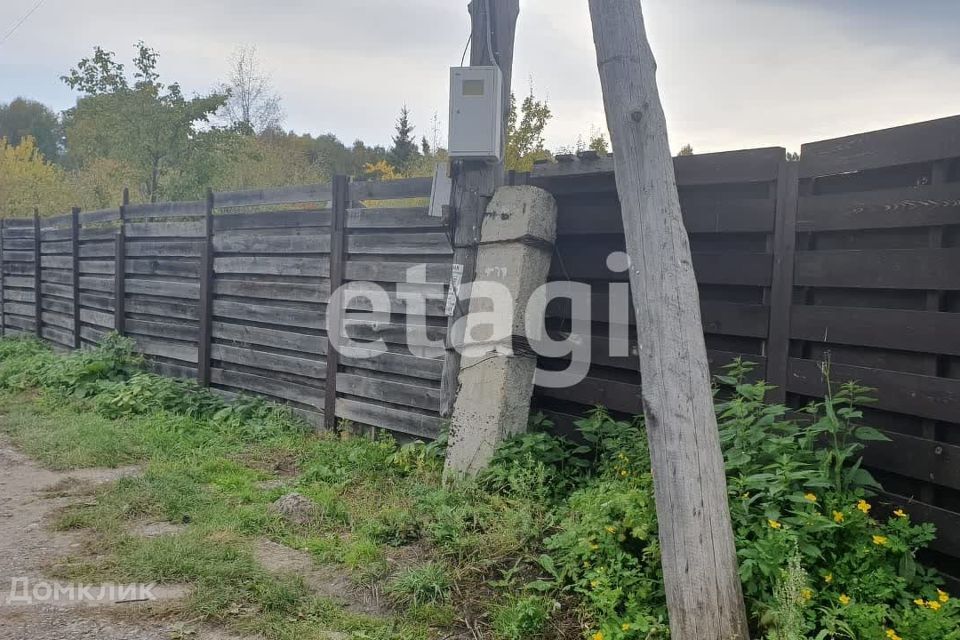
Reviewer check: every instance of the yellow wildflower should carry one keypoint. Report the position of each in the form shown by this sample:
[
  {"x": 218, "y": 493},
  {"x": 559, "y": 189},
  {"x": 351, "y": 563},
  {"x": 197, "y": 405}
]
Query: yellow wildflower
[
  {"x": 893, "y": 635},
  {"x": 598, "y": 635},
  {"x": 594, "y": 583},
  {"x": 594, "y": 546},
  {"x": 900, "y": 513},
  {"x": 838, "y": 516},
  {"x": 611, "y": 529},
  {"x": 810, "y": 497},
  {"x": 624, "y": 473},
  {"x": 943, "y": 596},
  {"x": 880, "y": 540},
  {"x": 844, "y": 599},
  {"x": 920, "y": 603},
  {"x": 774, "y": 524},
  {"x": 864, "y": 506},
  {"x": 625, "y": 626},
  {"x": 807, "y": 595},
  {"x": 828, "y": 578},
  {"x": 933, "y": 605}
]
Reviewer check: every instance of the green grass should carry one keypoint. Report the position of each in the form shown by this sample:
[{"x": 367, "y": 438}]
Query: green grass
[{"x": 384, "y": 516}]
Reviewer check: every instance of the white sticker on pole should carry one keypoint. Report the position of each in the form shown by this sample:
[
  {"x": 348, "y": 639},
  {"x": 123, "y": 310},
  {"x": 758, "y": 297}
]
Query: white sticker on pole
[{"x": 456, "y": 278}]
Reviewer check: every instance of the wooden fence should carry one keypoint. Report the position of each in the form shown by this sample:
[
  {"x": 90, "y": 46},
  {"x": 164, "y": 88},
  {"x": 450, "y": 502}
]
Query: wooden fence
[
  {"x": 850, "y": 255},
  {"x": 233, "y": 291}
]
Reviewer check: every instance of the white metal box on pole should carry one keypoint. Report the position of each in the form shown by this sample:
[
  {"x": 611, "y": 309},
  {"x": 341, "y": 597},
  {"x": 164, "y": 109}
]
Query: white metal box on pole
[{"x": 476, "y": 101}]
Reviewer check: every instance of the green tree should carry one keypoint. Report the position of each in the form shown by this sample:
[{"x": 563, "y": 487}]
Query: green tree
[
  {"x": 147, "y": 125},
  {"x": 686, "y": 150},
  {"x": 22, "y": 117},
  {"x": 404, "y": 150},
  {"x": 525, "y": 142}
]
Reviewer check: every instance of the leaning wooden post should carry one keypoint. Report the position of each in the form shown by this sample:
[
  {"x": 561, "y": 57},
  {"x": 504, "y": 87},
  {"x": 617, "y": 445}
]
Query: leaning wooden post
[
  {"x": 120, "y": 267},
  {"x": 338, "y": 224},
  {"x": 75, "y": 281},
  {"x": 493, "y": 22},
  {"x": 38, "y": 298},
  {"x": 206, "y": 296},
  {"x": 704, "y": 594}
]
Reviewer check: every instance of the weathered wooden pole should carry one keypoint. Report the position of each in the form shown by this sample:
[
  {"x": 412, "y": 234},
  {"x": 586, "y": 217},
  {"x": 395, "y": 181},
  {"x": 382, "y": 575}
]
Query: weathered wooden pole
[
  {"x": 493, "y": 25},
  {"x": 704, "y": 594}
]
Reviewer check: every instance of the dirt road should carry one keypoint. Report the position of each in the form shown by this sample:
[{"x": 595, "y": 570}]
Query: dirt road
[{"x": 28, "y": 547}]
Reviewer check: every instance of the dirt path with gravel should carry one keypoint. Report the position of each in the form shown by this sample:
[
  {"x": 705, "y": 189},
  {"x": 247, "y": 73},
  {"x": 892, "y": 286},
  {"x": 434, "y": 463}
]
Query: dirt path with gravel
[{"x": 29, "y": 496}]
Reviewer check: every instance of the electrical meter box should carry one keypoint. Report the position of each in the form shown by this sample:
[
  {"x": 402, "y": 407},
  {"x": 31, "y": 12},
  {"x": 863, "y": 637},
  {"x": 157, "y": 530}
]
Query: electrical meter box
[{"x": 476, "y": 113}]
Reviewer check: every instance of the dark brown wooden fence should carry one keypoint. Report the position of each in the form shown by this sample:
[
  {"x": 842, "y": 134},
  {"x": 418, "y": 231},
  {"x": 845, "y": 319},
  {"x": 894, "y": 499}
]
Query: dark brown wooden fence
[{"x": 851, "y": 255}]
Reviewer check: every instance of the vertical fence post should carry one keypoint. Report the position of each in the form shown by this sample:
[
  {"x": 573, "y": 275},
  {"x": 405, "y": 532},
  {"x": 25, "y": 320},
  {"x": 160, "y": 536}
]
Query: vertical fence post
[
  {"x": 338, "y": 204},
  {"x": 206, "y": 297},
  {"x": 781, "y": 287},
  {"x": 75, "y": 253},
  {"x": 3, "y": 283},
  {"x": 38, "y": 299},
  {"x": 119, "y": 269}
]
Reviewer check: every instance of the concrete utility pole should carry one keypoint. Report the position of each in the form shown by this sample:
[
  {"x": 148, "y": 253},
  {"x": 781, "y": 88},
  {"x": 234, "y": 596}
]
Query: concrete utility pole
[
  {"x": 493, "y": 30},
  {"x": 704, "y": 594}
]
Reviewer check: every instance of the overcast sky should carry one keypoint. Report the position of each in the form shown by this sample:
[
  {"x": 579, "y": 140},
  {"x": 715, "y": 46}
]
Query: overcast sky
[{"x": 732, "y": 73}]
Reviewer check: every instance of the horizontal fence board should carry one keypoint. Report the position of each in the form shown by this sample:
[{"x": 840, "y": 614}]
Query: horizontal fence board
[
  {"x": 274, "y": 338},
  {"x": 107, "y": 267},
  {"x": 61, "y": 290},
  {"x": 171, "y": 309},
  {"x": 270, "y": 361},
  {"x": 284, "y": 316},
  {"x": 272, "y": 220},
  {"x": 58, "y": 306},
  {"x": 101, "y": 216},
  {"x": 273, "y": 266},
  {"x": 879, "y": 269},
  {"x": 19, "y": 309},
  {"x": 410, "y": 395},
  {"x": 920, "y": 206},
  {"x": 395, "y": 271},
  {"x": 166, "y": 288},
  {"x": 172, "y": 370},
  {"x": 393, "y": 332},
  {"x": 408, "y": 422},
  {"x": 97, "y": 249},
  {"x": 18, "y": 281},
  {"x": 14, "y": 244},
  {"x": 58, "y": 247},
  {"x": 95, "y": 301},
  {"x": 169, "y": 249},
  {"x": 56, "y": 262},
  {"x": 283, "y": 195},
  {"x": 165, "y": 348},
  {"x": 18, "y": 256},
  {"x": 61, "y": 337},
  {"x": 923, "y": 331},
  {"x": 17, "y": 295},
  {"x": 393, "y": 218},
  {"x": 98, "y": 318},
  {"x": 284, "y": 389},
  {"x": 177, "y": 267},
  {"x": 268, "y": 290},
  {"x": 57, "y": 320},
  {"x": 170, "y": 330},
  {"x": 932, "y": 140},
  {"x": 263, "y": 242},
  {"x": 423, "y": 243},
  {"x": 897, "y": 391},
  {"x": 918, "y": 458},
  {"x": 165, "y": 229},
  {"x": 24, "y": 323},
  {"x": 59, "y": 276},
  {"x": 166, "y": 210},
  {"x": 391, "y": 189},
  {"x": 97, "y": 234},
  {"x": 387, "y": 362}
]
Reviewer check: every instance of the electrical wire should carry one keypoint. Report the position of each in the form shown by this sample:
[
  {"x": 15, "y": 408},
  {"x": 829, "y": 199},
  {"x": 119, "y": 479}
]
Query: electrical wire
[
  {"x": 19, "y": 22},
  {"x": 465, "y": 48}
]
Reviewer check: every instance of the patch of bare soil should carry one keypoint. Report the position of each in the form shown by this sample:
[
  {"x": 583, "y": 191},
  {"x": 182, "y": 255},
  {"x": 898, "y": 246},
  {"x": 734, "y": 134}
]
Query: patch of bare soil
[
  {"x": 323, "y": 580},
  {"x": 33, "y": 607}
]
